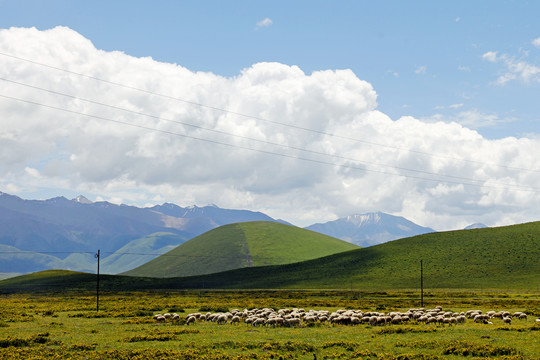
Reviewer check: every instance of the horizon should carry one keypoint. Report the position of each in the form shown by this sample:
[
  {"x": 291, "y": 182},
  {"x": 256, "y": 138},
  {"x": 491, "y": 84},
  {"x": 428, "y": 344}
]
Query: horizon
[{"x": 148, "y": 206}]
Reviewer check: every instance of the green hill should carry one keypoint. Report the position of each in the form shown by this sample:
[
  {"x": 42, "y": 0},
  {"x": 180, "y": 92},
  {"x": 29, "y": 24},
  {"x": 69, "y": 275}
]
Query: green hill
[
  {"x": 503, "y": 258},
  {"x": 242, "y": 245}
]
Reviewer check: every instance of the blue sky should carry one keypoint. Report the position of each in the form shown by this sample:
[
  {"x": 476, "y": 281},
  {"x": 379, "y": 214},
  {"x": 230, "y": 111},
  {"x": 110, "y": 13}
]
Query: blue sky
[
  {"x": 430, "y": 81},
  {"x": 423, "y": 57}
]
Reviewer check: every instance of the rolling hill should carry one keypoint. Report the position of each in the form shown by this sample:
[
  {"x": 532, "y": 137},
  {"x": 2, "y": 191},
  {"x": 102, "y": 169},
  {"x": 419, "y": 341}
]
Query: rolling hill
[
  {"x": 503, "y": 258},
  {"x": 58, "y": 226},
  {"x": 242, "y": 245}
]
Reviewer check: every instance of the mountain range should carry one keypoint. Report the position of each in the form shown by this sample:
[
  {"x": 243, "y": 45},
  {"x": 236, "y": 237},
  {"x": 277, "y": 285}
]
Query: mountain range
[
  {"x": 61, "y": 233},
  {"x": 370, "y": 229}
]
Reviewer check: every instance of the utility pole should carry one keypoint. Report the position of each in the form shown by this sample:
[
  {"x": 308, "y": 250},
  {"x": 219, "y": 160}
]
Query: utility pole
[
  {"x": 421, "y": 283},
  {"x": 97, "y": 286}
]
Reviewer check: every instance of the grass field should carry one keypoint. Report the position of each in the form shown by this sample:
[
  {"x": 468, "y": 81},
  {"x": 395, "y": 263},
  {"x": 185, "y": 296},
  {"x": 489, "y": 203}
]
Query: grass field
[{"x": 66, "y": 326}]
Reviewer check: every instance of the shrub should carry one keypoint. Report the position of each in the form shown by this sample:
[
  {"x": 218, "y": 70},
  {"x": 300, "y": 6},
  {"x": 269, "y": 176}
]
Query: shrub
[
  {"x": 465, "y": 348},
  {"x": 160, "y": 337},
  {"x": 83, "y": 347},
  {"x": 213, "y": 309}
]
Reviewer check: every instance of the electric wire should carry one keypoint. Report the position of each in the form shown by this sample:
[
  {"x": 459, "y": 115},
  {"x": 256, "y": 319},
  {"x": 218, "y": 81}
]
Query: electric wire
[
  {"x": 22, "y": 252},
  {"x": 194, "y": 103},
  {"x": 345, "y": 166},
  {"x": 252, "y": 139}
]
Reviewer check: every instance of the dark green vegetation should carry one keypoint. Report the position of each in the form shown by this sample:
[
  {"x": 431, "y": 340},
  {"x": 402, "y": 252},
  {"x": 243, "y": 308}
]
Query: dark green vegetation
[
  {"x": 66, "y": 326},
  {"x": 242, "y": 245},
  {"x": 503, "y": 258}
]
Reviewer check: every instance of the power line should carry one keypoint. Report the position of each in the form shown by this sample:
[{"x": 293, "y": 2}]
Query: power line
[
  {"x": 46, "y": 252},
  {"x": 93, "y": 253},
  {"x": 319, "y": 132},
  {"x": 251, "y": 139},
  {"x": 515, "y": 187}
]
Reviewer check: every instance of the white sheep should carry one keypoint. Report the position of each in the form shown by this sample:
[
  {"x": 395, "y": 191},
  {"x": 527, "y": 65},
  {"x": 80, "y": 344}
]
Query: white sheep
[
  {"x": 293, "y": 322},
  {"x": 222, "y": 319},
  {"x": 191, "y": 320}
]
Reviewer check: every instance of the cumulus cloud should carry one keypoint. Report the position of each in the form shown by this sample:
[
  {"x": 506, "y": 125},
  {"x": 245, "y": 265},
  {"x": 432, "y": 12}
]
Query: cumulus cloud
[
  {"x": 264, "y": 23},
  {"x": 536, "y": 42},
  {"x": 516, "y": 69},
  {"x": 302, "y": 147}
]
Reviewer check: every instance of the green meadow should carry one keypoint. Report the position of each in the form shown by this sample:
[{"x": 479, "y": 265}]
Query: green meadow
[{"x": 67, "y": 326}]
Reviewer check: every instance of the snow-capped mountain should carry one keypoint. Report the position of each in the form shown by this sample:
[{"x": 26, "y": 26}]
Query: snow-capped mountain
[{"x": 370, "y": 228}]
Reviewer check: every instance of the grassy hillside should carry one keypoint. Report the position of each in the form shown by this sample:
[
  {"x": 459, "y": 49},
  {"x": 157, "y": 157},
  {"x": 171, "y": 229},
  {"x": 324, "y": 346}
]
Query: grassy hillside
[
  {"x": 133, "y": 253},
  {"x": 242, "y": 245},
  {"x": 503, "y": 258}
]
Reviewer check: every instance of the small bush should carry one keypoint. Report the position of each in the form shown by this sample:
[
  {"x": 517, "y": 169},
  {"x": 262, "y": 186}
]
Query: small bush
[
  {"x": 83, "y": 347},
  {"x": 403, "y": 330},
  {"x": 178, "y": 309},
  {"x": 159, "y": 337},
  {"x": 40, "y": 338},
  {"x": 347, "y": 345},
  {"x": 213, "y": 309},
  {"x": 465, "y": 348},
  {"x": 144, "y": 313}
]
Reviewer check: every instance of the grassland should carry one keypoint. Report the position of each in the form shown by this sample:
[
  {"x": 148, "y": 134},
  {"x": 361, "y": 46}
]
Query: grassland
[
  {"x": 242, "y": 245},
  {"x": 67, "y": 326}
]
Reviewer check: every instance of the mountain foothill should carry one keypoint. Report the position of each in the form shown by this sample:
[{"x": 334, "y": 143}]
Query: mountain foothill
[{"x": 172, "y": 241}]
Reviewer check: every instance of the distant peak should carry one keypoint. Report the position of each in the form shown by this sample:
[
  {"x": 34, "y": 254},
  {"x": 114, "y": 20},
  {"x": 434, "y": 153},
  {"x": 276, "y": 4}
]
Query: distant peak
[
  {"x": 81, "y": 199},
  {"x": 372, "y": 217},
  {"x": 476, "y": 226}
]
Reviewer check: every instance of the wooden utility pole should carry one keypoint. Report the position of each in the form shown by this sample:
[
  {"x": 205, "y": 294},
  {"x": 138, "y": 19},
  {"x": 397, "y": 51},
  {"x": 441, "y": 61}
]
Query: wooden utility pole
[
  {"x": 97, "y": 286},
  {"x": 421, "y": 283}
]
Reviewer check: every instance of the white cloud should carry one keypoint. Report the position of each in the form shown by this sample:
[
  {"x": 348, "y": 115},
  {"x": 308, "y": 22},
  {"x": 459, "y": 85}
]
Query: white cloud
[
  {"x": 464, "y": 68},
  {"x": 536, "y": 42},
  {"x": 473, "y": 118},
  {"x": 57, "y": 150},
  {"x": 452, "y": 106},
  {"x": 421, "y": 70},
  {"x": 264, "y": 23},
  {"x": 490, "y": 56},
  {"x": 515, "y": 69}
]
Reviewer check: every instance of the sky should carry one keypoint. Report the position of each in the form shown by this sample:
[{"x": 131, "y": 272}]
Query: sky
[{"x": 308, "y": 110}]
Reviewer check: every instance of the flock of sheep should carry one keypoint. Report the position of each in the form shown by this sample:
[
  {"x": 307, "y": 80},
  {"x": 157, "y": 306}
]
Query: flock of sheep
[{"x": 297, "y": 317}]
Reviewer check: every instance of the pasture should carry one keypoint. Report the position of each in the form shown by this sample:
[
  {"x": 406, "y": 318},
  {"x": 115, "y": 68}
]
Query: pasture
[{"x": 67, "y": 326}]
